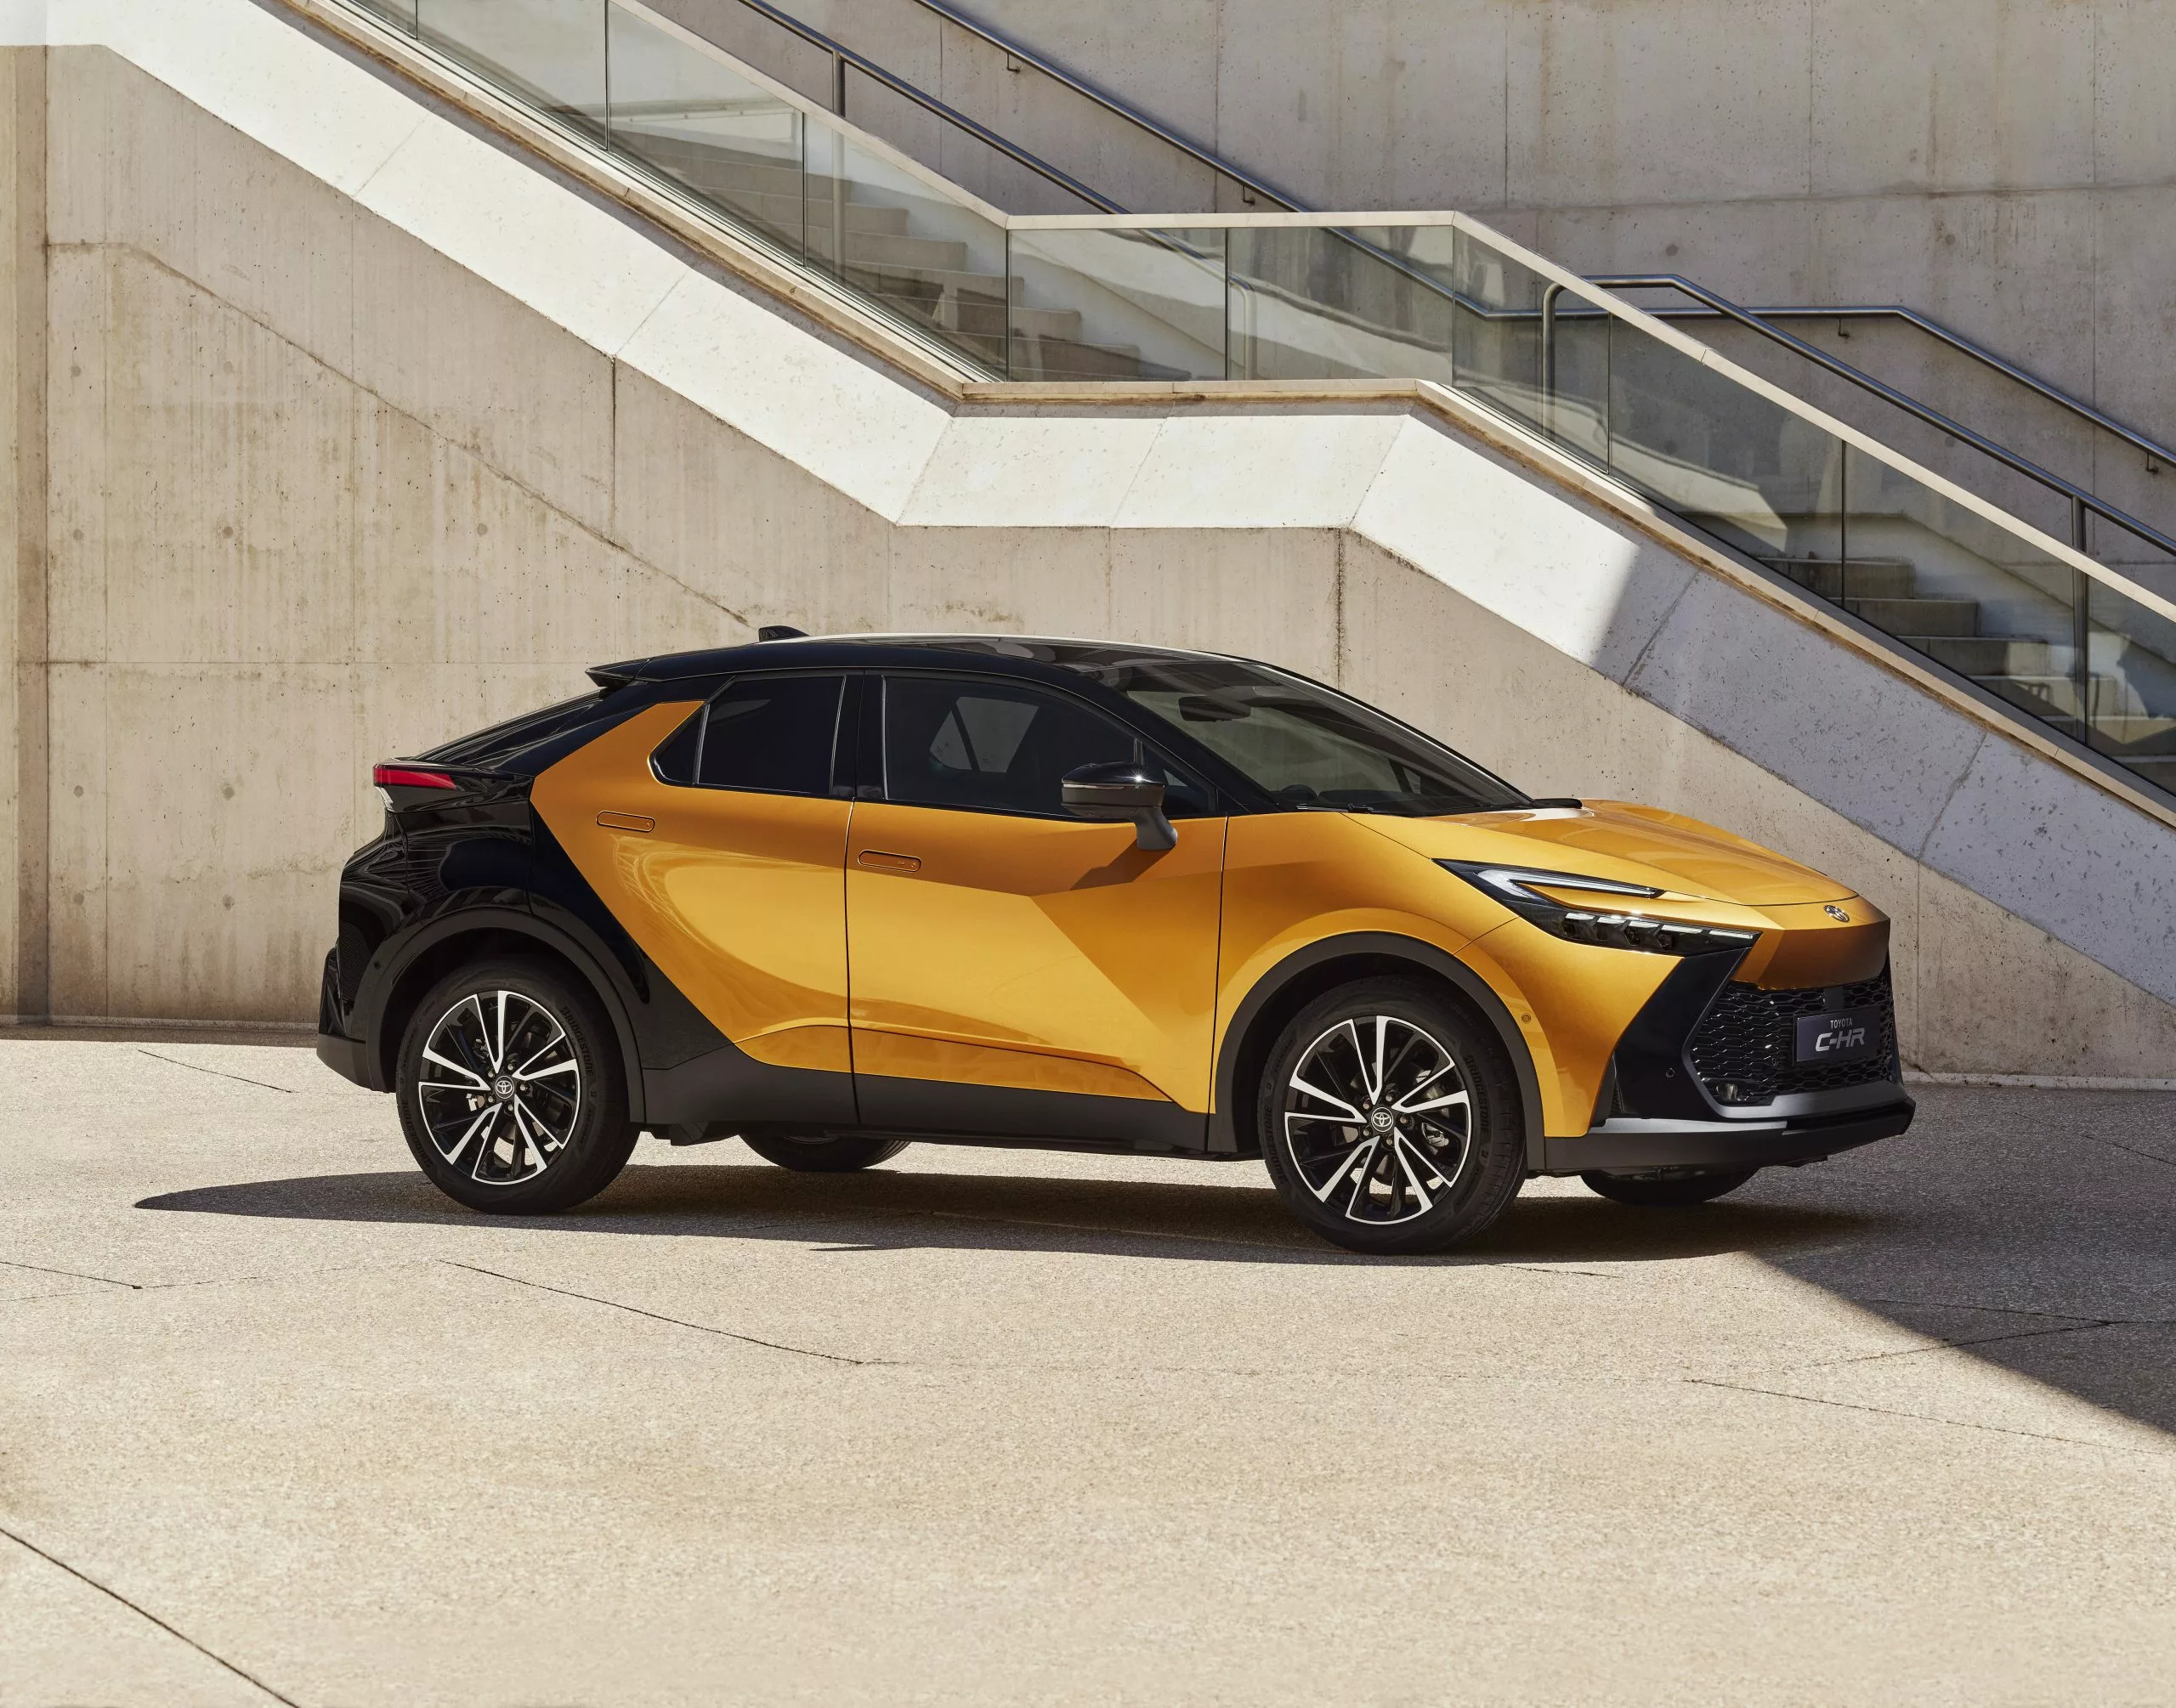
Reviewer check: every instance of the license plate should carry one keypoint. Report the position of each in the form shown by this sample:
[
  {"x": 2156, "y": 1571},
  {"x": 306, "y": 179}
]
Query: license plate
[{"x": 1851, "y": 1036}]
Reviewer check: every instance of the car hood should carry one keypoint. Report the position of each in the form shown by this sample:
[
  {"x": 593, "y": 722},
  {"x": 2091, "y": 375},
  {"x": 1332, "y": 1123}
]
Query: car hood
[{"x": 1635, "y": 844}]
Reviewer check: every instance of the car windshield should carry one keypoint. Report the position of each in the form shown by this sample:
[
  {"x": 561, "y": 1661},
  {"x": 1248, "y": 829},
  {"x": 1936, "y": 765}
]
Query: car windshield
[{"x": 1305, "y": 745}]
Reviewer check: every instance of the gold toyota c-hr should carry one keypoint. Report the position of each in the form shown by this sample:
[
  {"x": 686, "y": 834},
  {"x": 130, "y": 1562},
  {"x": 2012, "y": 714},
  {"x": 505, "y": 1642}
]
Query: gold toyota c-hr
[{"x": 832, "y": 896}]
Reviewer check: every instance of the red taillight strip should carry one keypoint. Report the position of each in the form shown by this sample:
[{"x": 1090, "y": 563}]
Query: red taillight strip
[{"x": 400, "y": 777}]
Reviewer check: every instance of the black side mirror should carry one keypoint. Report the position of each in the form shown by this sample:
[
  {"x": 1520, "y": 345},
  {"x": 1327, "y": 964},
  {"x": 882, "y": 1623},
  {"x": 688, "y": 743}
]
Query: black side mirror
[{"x": 1119, "y": 789}]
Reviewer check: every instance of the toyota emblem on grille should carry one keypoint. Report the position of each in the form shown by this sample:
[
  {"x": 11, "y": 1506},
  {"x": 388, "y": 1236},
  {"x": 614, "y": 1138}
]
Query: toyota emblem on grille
[{"x": 1837, "y": 914}]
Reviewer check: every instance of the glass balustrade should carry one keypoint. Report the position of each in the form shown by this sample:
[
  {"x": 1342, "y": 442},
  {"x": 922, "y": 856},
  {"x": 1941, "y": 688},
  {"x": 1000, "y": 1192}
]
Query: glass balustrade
[{"x": 1303, "y": 299}]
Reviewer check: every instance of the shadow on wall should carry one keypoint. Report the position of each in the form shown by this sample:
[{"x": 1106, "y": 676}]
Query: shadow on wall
[{"x": 2029, "y": 1229}]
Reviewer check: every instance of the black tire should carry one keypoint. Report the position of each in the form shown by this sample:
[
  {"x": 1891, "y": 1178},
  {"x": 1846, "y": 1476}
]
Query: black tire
[
  {"x": 1450, "y": 1167},
  {"x": 537, "y": 1147},
  {"x": 824, "y": 1153},
  {"x": 1672, "y": 1190}
]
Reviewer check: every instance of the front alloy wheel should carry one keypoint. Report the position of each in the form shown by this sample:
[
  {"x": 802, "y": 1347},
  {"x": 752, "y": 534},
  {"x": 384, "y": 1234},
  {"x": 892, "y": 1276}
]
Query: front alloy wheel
[
  {"x": 1389, "y": 1118},
  {"x": 511, "y": 1089},
  {"x": 1377, "y": 1120}
]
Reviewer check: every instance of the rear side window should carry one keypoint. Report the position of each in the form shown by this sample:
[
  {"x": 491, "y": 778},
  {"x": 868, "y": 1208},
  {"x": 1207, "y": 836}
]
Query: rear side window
[{"x": 772, "y": 734}]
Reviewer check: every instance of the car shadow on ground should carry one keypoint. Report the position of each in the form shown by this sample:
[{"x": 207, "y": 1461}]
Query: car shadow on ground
[
  {"x": 884, "y": 1210},
  {"x": 2035, "y": 1230}
]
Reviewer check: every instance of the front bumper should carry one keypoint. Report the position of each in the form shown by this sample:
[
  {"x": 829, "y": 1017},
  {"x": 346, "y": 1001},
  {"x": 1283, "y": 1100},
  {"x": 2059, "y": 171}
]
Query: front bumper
[{"x": 1626, "y": 1144}]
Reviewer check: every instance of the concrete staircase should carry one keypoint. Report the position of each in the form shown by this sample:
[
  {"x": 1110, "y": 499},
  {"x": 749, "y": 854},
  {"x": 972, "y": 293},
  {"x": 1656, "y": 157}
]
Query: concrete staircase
[
  {"x": 927, "y": 279},
  {"x": 2030, "y": 672}
]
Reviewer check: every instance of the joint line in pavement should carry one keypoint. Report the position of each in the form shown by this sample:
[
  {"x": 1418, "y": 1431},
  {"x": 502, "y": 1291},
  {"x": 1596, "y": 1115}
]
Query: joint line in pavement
[
  {"x": 216, "y": 1073},
  {"x": 1915, "y": 1417},
  {"x": 249, "y": 1678},
  {"x": 658, "y": 1316}
]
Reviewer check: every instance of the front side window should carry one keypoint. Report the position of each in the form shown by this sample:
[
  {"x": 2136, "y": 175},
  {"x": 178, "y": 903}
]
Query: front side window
[
  {"x": 1305, "y": 745},
  {"x": 773, "y": 734},
  {"x": 995, "y": 746}
]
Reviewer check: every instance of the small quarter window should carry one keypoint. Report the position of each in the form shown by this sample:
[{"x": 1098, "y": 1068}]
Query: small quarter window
[{"x": 771, "y": 734}]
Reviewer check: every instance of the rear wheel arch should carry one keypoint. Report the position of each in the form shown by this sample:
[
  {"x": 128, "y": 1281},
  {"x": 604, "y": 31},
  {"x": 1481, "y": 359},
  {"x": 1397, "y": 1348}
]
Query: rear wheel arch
[
  {"x": 1308, "y": 973},
  {"x": 494, "y": 933}
]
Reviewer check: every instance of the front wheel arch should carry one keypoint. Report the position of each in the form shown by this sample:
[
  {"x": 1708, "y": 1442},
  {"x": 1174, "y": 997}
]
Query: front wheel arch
[{"x": 1306, "y": 974}]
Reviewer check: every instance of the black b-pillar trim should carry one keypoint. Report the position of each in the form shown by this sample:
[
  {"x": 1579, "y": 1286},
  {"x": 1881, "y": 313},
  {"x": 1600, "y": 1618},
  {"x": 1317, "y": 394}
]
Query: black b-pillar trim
[{"x": 1652, "y": 1067}]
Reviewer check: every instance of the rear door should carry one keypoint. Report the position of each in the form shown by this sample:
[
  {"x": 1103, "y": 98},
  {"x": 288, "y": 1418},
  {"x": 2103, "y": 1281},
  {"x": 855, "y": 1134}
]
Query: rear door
[
  {"x": 1017, "y": 970},
  {"x": 720, "y": 847}
]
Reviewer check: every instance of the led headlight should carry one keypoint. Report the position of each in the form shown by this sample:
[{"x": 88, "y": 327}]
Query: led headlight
[{"x": 1512, "y": 886}]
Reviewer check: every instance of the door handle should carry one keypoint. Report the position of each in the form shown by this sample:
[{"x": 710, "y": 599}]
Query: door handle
[
  {"x": 627, "y": 821},
  {"x": 878, "y": 861}
]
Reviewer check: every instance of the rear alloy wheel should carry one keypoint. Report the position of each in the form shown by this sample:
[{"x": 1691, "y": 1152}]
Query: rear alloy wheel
[
  {"x": 1389, "y": 1119},
  {"x": 510, "y": 1091},
  {"x": 1666, "y": 1189},
  {"x": 825, "y": 1154}
]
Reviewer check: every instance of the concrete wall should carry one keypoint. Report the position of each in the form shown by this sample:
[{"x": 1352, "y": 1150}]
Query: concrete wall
[
  {"x": 2007, "y": 167},
  {"x": 362, "y": 431},
  {"x": 23, "y": 649}
]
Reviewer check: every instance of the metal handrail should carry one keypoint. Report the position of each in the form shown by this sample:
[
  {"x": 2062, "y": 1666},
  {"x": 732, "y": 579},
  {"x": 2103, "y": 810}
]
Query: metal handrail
[
  {"x": 1896, "y": 311},
  {"x": 1111, "y": 104},
  {"x": 2153, "y": 451},
  {"x": 2082, "y": 502},
  {"x": 2081, "y": 499},
  {"x": 843, "y": 56}
]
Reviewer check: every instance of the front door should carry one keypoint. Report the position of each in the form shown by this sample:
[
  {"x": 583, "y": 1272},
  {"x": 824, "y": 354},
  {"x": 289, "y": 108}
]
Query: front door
[{"x": 1015, "y": 970}]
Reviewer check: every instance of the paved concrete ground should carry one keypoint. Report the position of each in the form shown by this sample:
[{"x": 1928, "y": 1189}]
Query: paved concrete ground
[{"x": 276, "y": 1423}]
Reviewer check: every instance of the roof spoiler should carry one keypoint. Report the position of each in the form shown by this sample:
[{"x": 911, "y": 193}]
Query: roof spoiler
[{"x": 611, "y": 677}]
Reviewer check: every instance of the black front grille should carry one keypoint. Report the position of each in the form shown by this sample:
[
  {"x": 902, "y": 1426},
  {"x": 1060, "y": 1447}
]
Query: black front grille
[{"x": 1742, "y": 1048}]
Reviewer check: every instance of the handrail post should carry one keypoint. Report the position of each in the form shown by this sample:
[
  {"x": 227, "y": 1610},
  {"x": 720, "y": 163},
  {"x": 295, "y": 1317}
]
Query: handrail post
[
  {"x": 839, "y": 167},
  {"x": 1224, "y": 302},
  {"x": 1548, "y": 357},
  {"x": 1843, "y": 525},
  {"x": 2081, "y": 627}
]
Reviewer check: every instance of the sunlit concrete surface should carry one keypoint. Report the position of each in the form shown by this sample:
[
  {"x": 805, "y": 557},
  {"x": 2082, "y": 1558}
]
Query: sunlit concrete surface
[{"x": 277, "y": 1422}]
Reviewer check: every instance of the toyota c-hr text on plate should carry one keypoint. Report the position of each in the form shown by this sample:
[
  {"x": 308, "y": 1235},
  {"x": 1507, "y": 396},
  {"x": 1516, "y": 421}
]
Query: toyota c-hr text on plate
[{"x": 833, "y": 895}]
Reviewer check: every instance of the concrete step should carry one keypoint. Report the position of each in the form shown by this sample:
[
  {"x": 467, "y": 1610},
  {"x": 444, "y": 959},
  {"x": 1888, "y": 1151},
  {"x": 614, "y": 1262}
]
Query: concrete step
[
  {"x": 875, "y": 249},
  {"x": 1987, "y": 655},
  {"x": 2136, "y": 734},
  {"x": 1918, "y": 617},
  {"x": 2110, "y": 700},
  {"x": 964, "y": 290},
  {"x": 2042, "y": 696},
  {"x": 752, "y": 173},
  {"x": 1062, "y": 324},
  {"x": 2124, "y": 735},
  {"x": 1048, "y": 357},
  {"x": 1859, "y": 578},
  {"x": 1066, "y": 358},
  {"x": 785, "y": 212}
]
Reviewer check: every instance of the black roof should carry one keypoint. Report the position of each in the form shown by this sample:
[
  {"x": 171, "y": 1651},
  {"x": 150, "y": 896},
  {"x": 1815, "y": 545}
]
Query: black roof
[{"x": 1000, "y": 650}]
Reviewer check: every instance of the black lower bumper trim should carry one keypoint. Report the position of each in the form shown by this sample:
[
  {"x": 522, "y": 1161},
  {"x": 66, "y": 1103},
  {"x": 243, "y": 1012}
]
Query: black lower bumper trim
[
  {"x": 345, "y": 1057},
  {"x": 1715, "y": 1144}
]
